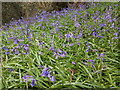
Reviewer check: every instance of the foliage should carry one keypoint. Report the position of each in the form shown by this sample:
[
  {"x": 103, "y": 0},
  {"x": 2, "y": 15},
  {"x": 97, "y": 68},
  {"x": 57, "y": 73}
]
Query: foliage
[{"x": 72, "y": 48}]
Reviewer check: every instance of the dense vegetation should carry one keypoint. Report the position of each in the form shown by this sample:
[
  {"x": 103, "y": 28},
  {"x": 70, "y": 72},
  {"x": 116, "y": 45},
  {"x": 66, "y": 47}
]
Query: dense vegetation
[{"x": 72, "y": 48}]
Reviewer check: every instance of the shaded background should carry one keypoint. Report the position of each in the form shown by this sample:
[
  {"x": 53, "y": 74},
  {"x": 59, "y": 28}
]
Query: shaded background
[{"x": 17, "y": 10}]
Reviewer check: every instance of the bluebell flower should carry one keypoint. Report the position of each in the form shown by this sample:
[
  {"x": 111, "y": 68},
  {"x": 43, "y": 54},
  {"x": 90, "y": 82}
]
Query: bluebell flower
[
  {"x": 108, "y": 17},
  {"x": 41, "y": 43},
  {"x": 17, "y": 47},
  {"x": 71, "y": 44},
  {"x": 45, "y": 72},
  {"x": 78, "y": 43},
  {"x": 15, "y": 41},
  {"x": 60, "y": 36},
  {"x": 7, "y": 52},
  {"x": 20, "y": 44},
  {"x": 100, "y": 36},
  {"x": 101, "y": 55},
  {"x": 94, "y": 50},
  {"x": 110, "y": 20},
  {"x": 52, "y": 79},
  {"x": 90, "y": 60},
  {"x": 102, "y": 25},
  {"x": 116, "y": 34},
  {"x": 46, "y": 69},
  {"x": 59, "y": 53},
  {"x": 76, "y": 24},
  {"x": 64, "y": 52},
  {"x": 56, "y": 28},
  {"x": 87, "y": 50},
  {"x": 62, "y": 55},
  {"x": 115, "y": 38},
  {"x": 51, "y": 48},
  {"x": 5, "y": 48},
  {"x": 116, "y": 5},
  {"x": 10, "y": 69},
  {"x": 69, "y": 35},
  {"x": 16, "y": 52},
  {"x": 88, "y": 47},
  {"x": 26, "y": 78},
  {"x": 86, "y": 43},
  {"x": 99, "y": 72},
  {"x": 102, "y": 59},
  {"x": 41, "y": 66},
  {"x": 49, "y": 75},
  {"x": 94, "y": 34},
  {"x": 94, "y": 30},
  {"x": 112, "y": 26},
  {"x": 13, "y": 49},
  {"x": 73, "y": 62},
  {"x": 10, "y": 37},
  {"x": 64, "y": 45},
  {"x": 79, "y": 35},
  {"x": 25, "y": 47},
  {"x": 29, "y": 36},
  {"x": 33, "y": 82},
  {"x": 56, "y": 57}
]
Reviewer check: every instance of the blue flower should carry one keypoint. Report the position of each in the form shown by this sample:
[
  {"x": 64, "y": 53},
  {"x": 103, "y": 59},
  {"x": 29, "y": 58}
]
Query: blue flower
[
  {"x": 73, "y": 62},
  {"x": 115, "y": 38},
  {"x": 25, "y": 47},
  {"x": 100, "y": 36},
  {"x": 45, "y": 72},
  {"x": 77, "y": 24},
  {"x": 101, "y": 55},
  {"x": 51, "y": 48},
  {"x": 16, "y": 52},
  {"x": 52, "y": 79},
  {"x": 78, "y": 43},
  {"x": 86, "y": 43},
  {"x": 7, "y": 52},
  {"x": 20, "y": 44},
  {"x": 5, "y": 48},
  {"x": 46, "y": 69},
  {"x": 102, "y": 25},
  {"x": 90, "y": 61},
  {"x": 62, "y": 55},
  {"x": 41, "y": 43},
  {"x": 67, "y": 35},
  {"x": 33, "y": 82},
  {"x": 71, "y": 44},
  {"x": 88, "y": 47},
  {"x": 59, "y": 53},
  {"x": 26, "y": 77},
  {"x": 79, "y": 35},
  {"x": 116, "y": 34},
  {"x": 15, "y": 41},
  {"x": 56, "y": 57},
  {"x": 49, "y": 75},
  {"x": 41, "y": 66},
  {"x": 87, "y": 50},
  {"x": 94, "y": 34},
  {"x": 10, "y": 69},
  {"x": 112, "y": 26}
]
